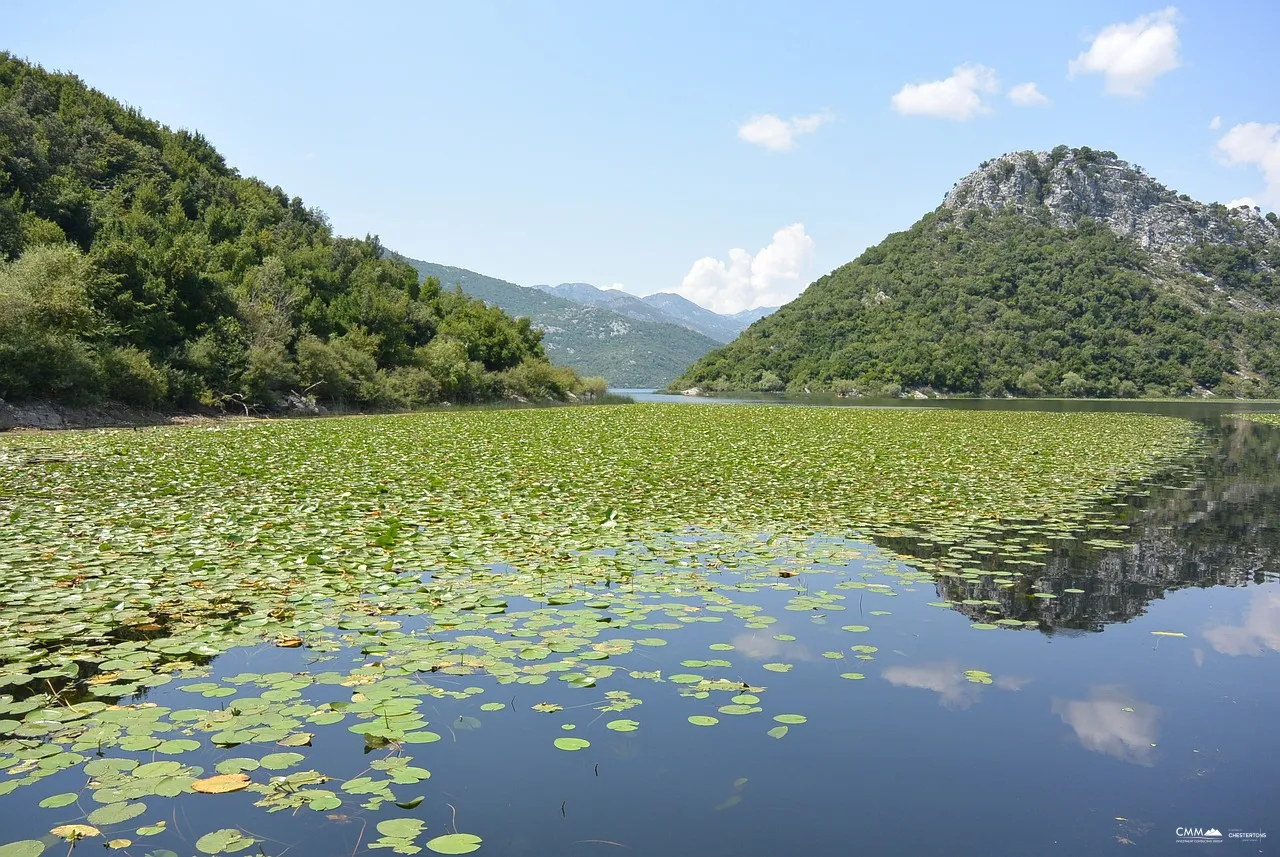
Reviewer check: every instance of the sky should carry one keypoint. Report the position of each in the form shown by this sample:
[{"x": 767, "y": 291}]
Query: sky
[{"x": 731, "y": 152}]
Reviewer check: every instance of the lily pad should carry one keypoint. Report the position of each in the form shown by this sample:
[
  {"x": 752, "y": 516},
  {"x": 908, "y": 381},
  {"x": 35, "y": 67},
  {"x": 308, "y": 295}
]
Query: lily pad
[
  {"x": 572, "y": 744},
  {"x": 221, "y": 784},
  {"x": 114, "y": 813},
  {"x": 454, "y": 843},
  {"x": 22, "y": 848},
  {"x": 623, "y": 725},
  {"x": 72, "y": 832},
  {"x": 225, "y": 841}
]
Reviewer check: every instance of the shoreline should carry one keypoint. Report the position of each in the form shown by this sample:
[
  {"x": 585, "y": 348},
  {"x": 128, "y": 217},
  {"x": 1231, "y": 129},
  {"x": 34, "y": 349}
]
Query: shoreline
[{"x": 47, "y": 415}]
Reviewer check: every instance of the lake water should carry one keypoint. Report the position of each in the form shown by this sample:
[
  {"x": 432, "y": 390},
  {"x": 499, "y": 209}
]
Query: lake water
[{"x": 1137, "y": 702}]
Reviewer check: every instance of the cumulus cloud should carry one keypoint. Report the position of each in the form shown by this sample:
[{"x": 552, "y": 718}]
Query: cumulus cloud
[
  {"x": 949, "y": 681},
  {"x": 771, "y": 277},
  {"x": 1028, "y": 95},
  {"x": 958, "y": 97},
  {"x": 1247, "y": 201},
  {"x": 945, "y": 679},
  {"x": 777, "y": 134},
  {"x": 1255, "y": 144},
  {"x": 1132, "y": 55},
  {"x": 1215, "y": 123},
  {"x": 1112, "y": 722},
  {"x": 1258, "y": 633}
]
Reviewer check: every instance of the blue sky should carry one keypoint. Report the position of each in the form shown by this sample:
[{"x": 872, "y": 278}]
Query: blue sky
[{"x": 618, "y": 143}]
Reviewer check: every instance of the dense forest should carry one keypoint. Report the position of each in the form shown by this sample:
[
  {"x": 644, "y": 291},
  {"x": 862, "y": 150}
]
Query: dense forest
[
  {"x": 135, "y": 265},
  {"x": 1003, "y": 304}
]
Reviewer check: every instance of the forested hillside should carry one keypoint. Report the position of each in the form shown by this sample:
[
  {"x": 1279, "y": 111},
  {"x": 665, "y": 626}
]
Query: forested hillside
[
  {"x": 1069, "y": 273},
  {"x": 136, "y": 265},
  {"x": 594, "y": 340}
]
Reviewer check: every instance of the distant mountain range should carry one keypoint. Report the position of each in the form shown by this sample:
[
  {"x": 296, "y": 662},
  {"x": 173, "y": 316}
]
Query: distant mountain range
[
  {"x": 629, "y": 341},
  {"x": 662, "y": 307}
]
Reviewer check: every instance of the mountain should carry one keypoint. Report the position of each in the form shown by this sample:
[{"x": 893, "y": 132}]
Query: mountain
[
  {"x": 718, "y": 326},
  {"x": 615, "y": 300},
  {"x": 662, "y": 307},
  {"x": 1062, "y": 273},
  {"x": 136, "y": 265},
  {"x": 594, "y": 340}
]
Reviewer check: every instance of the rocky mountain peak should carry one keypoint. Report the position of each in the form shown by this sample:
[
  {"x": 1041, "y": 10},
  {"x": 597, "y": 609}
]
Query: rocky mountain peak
[{"x": 1071, "y": 184}]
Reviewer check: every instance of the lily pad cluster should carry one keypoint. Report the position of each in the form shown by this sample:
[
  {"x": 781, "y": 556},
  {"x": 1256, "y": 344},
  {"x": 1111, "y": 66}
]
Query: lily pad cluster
[{"x": 449, "y": 554}]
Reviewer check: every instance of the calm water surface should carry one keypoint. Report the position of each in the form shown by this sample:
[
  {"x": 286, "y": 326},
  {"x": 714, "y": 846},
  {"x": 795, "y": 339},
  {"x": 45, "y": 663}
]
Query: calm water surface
[{"x": 1093, "y": 735}]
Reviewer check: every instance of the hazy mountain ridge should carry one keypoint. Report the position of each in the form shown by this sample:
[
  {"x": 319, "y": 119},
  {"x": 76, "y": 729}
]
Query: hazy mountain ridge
[
  {"x": 1068, "y": 272},
  {"x": 595, "y": 340},
  {"x": 665, "y": 307}
]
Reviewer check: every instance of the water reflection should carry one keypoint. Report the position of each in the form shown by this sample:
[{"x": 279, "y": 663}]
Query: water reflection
[
  {"x": 943, "y": 678},
  {"x": 1113, "y": 722},
  {"x": 1258, "y": 633},
  {"x": 955, "y": 687},
  {"x": 1217, "y": 529},
  {"x": 761, "y": 647}
]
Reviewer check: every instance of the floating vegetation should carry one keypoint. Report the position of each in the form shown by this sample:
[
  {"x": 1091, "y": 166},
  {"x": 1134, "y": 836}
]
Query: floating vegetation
[
  {"x": 1265, "y": 419},
  {"x": 437, "y": 558}
]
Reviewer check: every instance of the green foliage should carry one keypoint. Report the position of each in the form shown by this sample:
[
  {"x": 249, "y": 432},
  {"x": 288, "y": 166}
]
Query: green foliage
[
  {"x": 1004, "y": 305},
  {"x": 136, "y": 265}
]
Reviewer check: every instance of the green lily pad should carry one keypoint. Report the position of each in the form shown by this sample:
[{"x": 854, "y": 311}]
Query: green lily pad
[
  {"x": 703, "y": 720},
  {"x": 623, "y": 725},
  {"x": 114, "y": 813},
  {"x": 454, "y": 843},
  {"x": 280, "y": 761},
  {"x": 572, "y": 744},
  {"x": 22, "y": 848},
  {"x": 225, "y": 841},
  {"x": 400, "y": 828}
]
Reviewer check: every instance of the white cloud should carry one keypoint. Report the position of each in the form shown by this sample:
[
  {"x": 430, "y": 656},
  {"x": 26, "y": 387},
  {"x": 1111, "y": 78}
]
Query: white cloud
[
  {"x": 948, "y": 680},
  {"x": 1112, "y": 722},
  {"x": 1255, "y": 144},
  {"x": 1247, "y": 201},
  {"x": 771, "y": 277},
  {"x": 1132, "y": 55},
  {"x": 779, "y": 135},
  {"x": 958, "y": 97},
  {"x": 1027, "y": 95},
  {"x": 945, "y": 679},
  {"x": 1215, "y": 123},
  {"x": 1258, "y": 633}
]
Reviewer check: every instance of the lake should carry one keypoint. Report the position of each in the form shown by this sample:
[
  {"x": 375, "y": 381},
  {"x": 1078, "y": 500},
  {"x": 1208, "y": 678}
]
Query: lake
[{"x": 971, "y": 627}]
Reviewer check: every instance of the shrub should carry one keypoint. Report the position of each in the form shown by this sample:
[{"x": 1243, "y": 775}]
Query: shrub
[
  {"x": 770, "y": 382},
  {"x": 130, "y": 377}
]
